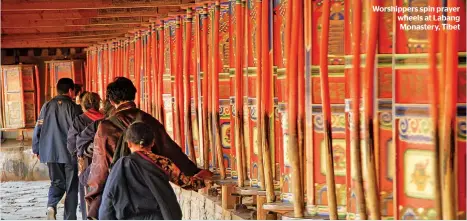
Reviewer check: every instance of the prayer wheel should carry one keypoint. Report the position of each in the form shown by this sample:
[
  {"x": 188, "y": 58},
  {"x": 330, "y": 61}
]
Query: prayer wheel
[{"x": 337, "y": 87}]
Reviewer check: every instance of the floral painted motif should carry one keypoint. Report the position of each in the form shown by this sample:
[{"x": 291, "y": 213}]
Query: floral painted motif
[{"x": 415, "y": 130}]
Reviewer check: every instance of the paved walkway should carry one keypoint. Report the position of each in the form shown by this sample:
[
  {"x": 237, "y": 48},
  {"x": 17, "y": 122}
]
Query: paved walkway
[{"x": 26, "y": 201}]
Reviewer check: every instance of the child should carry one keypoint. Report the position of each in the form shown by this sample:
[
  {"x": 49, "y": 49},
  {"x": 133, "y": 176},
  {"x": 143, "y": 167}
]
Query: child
[{"x": 138, "y": 185}]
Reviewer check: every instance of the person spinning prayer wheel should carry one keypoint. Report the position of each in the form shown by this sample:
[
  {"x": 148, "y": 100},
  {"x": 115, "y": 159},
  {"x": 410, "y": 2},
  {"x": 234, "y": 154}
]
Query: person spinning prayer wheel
[{"x": 138, "y": 185}]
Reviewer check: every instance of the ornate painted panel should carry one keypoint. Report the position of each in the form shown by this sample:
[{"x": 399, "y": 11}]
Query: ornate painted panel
[
  {"x": 67, "y": 69},
  {"x": 413, "y": 128},
  {"x": 19, "y": 98}
]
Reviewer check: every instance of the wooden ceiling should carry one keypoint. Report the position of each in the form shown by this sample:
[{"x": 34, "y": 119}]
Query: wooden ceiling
[{"x": 77, "y": 23}]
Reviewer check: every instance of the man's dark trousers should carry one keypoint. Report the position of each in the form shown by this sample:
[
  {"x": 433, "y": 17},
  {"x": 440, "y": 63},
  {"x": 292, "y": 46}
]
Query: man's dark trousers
[{"x": 64, "y": 179}]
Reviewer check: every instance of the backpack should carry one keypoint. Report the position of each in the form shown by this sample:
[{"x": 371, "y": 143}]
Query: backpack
[{"x": 121, "y": 149}]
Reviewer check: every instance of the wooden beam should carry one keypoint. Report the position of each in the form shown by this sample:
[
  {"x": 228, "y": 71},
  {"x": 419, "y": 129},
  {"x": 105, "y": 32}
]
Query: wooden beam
[
  {"x": 63, "y": 35},
  {"x": 87, "y": 13},
  {"x": 23, "y": 30},
  {"x": 20, "y": 5},
  {"x": 45, "y": 44},
  {"x": 39, "y": 43},
  {"x": 76, "y": 22}
]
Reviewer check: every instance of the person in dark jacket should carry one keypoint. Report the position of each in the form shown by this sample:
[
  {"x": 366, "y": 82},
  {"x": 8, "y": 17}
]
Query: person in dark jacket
[
  {"x": 121, "y": 94},
  {"x": 49, "y": 144},
  {"x": 90, "y": 105},
  {"x": 138, "y": 185},
  {"x": 85, "y": 138}
]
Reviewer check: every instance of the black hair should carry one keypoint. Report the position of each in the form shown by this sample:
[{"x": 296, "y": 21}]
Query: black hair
[
  {"x": 64, "y": 85},
  {"x": 82, "y": 95},
  {"x": 122, "y": 89},
  {"x": 140, "y": 133},
  {"x": 91, "y": 101},
  {"x": 78, "y": 90},
  {"x": 108, "y": 108}
]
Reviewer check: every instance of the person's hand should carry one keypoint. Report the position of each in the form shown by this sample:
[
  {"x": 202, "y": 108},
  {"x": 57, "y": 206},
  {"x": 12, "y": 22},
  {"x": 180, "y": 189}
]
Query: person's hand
[
  {"x": 205, "y": 174},
  {"x": 37, "y": 156}
]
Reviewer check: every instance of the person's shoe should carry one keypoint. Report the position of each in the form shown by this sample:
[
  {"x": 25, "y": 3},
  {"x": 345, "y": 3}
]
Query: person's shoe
[{"x": 51, "y": 213}]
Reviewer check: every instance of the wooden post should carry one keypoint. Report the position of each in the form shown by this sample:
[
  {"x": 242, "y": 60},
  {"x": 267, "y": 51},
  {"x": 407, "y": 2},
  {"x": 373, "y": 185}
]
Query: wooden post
[
  {"x": 260, "y": 212},
  {"x": 95, "y": 77},
  {"x": 179, "y": 82},
  {"x": 154, "y": 72},
  {"x": 259, "y": 99},
  {"x": 434, "y": 97},
  {"x": 215, "y": 90},
  {"x": 368, "y": 98},
  {"x": 196, "y": 83},
  {"x": 292, "y": 81},
  {"x": 149, "y": 80},
  {"x": 301, "y": 97},
  {"x": 330, "y": 182},
  {"x": 102, "y": 60},
  {"x": 355, "y": 98},
  {"x": 204, "y": 69},
  {"x": 449, "y": 122},
  {"x": 177, "y": 123},
  {"x": 127, "y": 57},
  {"x": 267, "y": 110},
  {"x": 186, "y": 74},
  {"x": 308, "y": 14},
  {"x": 245, "y": 28},
  {"x": 38, "y": 90},
  {"x": 210, "y": 38},
  {"x": 160, "y": 89},
  {"x": 239, "y": 136},
  {"x": 137, "y": 68},
  {"x": 86, "y": 73}
]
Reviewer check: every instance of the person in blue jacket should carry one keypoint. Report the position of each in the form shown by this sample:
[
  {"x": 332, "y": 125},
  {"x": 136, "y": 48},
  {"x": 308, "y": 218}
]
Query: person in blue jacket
[{"x": 49, "y": 144}]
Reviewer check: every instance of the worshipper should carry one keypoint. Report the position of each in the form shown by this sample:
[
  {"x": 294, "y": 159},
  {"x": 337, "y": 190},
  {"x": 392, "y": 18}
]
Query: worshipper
[
  {"x": 138, "y": 185},
  {"x": 49, "y": 145},
  {"x": 90, "y": 105},
  {"x": 121, "y": 94},
  {"x": 85, "y": 138}
]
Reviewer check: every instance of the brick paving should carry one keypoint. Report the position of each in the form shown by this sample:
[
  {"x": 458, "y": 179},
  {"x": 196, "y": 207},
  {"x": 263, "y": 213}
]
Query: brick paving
[{"x": 26, "y": 200}]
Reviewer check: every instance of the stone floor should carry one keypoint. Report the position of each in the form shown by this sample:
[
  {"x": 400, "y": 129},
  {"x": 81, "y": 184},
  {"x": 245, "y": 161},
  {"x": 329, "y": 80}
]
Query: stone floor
[{"x": 26, "y": 200}]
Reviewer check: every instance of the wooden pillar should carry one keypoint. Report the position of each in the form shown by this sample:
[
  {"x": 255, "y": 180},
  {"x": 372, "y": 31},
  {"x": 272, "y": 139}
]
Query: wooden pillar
[
  {"x": 205, "y": 92},
  {"x": 330, "y": 182},
  {"x": 137, "y": 68},
  {"x": 187, "y": 90},
  {"x": 267, "y": 109},
  {"x": 160, "y": 89},
  {"x": 154, "y": 71},
  {"x": 355, "y": 98},
  {"x": 449, "y": 121},
  {"x": 239, "y": 133},
  {"x": 215, "y": 90},
  {"x": 259, "y": 98},
  {"x": 368, "y": 98},
  {"x": 308, "y": 20},
  {"x": 178, "y": 84}
]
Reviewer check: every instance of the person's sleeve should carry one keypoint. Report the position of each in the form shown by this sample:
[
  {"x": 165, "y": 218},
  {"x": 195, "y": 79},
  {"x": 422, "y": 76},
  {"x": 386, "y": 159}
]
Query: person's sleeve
[
  {"x": 85, "y": 138},
  {"x": 179, "y": 178},
  {"x": 99, "y": 168},
  {"x": 107, "y": 209},
  {"x": 37, "y": 130},
  {"x": 77, "y": 111},
  {"x": 168, "y": 148},
  {"x": 71, "y": 138}
]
